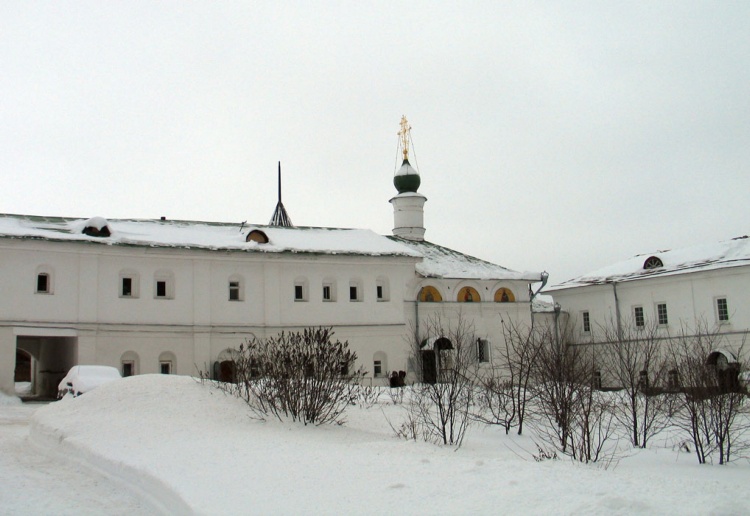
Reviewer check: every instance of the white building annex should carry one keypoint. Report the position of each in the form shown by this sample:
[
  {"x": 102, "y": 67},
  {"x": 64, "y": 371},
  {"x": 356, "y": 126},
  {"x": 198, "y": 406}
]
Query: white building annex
[
  {"x": 175, "y": 297},
  {"x": 701, "y": 287}
]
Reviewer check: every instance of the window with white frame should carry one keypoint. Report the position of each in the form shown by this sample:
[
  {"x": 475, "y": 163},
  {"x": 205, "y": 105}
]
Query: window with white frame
[
  {"x": 164, "y": 285},
  {"x": 300, "y": 290},
  {"x": 236, "y": 288},
  {"x": 128, "y": 368},
  {"x": 167, "y": 361},
  {"x": 381, "y": 289},
  {"x": 638, "y": 317},
  {"x": 597, "y": 380},
  {"x": 329, "y": 290},
  {"x": 129, "y": 363},
  {"x": 483, "y": 351},
  {"x": 661, "y": 314},
  {"x": 586, "y": 321},
  {"x": 722, "y": 310},
  {"x": 129, "y": 284},
  {"x": 379, "y": 364},
  {"x": 44, "y": 281},
  {"x": 355, "y": 291}
]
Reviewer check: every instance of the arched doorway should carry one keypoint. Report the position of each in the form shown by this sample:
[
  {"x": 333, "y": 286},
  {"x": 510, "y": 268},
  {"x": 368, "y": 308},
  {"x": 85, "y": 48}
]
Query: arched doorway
[{"x": 437, "y": 359}]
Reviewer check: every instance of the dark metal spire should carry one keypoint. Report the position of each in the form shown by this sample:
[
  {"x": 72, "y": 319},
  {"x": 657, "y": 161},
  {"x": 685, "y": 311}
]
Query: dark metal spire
[{"x": 280, "y": 216}]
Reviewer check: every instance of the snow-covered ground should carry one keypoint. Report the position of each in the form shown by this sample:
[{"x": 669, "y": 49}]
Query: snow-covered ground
[{"x": 184, "y": 447}]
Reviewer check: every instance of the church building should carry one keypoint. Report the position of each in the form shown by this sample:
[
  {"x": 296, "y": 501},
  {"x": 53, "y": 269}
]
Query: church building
[{"x": 176, "y": 297}]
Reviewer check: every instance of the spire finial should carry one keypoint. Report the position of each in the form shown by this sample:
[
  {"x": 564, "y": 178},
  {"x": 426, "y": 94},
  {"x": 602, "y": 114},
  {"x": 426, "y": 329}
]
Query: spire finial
[
  {"x": 404, "y": 133},
  {"x": 280, "y": 216}
]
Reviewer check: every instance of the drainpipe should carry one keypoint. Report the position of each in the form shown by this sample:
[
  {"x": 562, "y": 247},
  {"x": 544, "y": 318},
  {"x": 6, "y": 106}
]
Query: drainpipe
[
  {"x": 617, "y": 312},
  {"x": 543, "y": 278}
]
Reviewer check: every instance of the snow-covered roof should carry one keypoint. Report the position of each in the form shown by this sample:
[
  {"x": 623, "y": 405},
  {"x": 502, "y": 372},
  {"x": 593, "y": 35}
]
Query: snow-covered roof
[
  {"x": 730, "y": 253},
  {"x": 543, "y": 304},
  {"x": 441, "y": 262},
  {"x": 205, "y": 235}
]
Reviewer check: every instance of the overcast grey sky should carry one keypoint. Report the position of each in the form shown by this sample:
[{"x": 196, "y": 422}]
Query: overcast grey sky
[{"x": 549, "y": 135}]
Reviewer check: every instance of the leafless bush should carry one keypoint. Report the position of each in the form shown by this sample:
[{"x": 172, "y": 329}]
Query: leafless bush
[
  {"x": 447, "y": 360},
  {"x": 305, "y": 376},
  {"x": 635, "y": 359},
  {"x": 575, "y": 418},
  {"x": 714, "y": 409},
  {"x": 507, "y": 389}
]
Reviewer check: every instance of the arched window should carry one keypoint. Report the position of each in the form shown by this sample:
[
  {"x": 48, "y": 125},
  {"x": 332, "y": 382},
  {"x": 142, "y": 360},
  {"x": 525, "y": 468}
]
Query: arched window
[
  {"x": 468, "y": 295},
  {"x": 256, "y": 235},
  {"x": 167, "y": 363},
  {"x": 429, "y": 294},
  {"x": 652, "y": 262},
  {"x": 129, "y": 363},
  {"x": 504, "y": 295}
]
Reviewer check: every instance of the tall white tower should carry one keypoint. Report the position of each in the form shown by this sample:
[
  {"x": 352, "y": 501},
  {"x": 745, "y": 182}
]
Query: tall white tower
[{"x": 408, "y": 205}]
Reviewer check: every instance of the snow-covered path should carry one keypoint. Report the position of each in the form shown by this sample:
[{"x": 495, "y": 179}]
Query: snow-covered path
[{"x": 35, "y": 482}]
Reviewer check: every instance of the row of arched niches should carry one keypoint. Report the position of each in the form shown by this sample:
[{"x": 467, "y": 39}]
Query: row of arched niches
[{"x": 430, "y": 294}]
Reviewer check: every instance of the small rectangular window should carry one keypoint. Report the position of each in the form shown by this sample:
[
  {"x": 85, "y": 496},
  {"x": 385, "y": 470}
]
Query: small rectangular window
[
  {"x": 128, "y": 369},
  {"x": 42, "y": 283},
  {"x": 597, "y": 380},
  {"x": 661, "y": 314},
  {"x": 377, "y": 368},
  {"x": 722, "y": 308},
  {"x": 127, "y": 287},
  {"x": 643, "y": 380},
  {"x": 640, "y": 320},
  {"x": 234, "y": 290},
  {"x": 483, "y": 351},
  {"x": 299, "y": 293},
  {"x": 673, "y": 380},
  {"x": 161, "y": 288},
  {"x": 353, "y": 293},
  {"x": 165, "y": 367},
  {"x": 586, "y": 322},
  {"x": 380, "y": 292},
  {"x": 326, "y": 292}
]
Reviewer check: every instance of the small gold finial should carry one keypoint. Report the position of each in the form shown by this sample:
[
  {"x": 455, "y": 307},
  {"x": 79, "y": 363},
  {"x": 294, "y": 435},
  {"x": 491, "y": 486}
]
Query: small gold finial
[{"x": 404, "y": 134}]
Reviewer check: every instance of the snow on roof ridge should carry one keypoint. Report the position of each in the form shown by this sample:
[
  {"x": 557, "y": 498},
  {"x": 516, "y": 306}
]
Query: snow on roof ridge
[
  {"x": 206, "y": 235},
  {"x": 727, "y": 253},
  {"x": 443, "y": 262}
]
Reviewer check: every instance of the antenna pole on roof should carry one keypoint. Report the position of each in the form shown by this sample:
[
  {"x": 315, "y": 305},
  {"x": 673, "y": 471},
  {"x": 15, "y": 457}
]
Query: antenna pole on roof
[{"x": 279, "y": 181}]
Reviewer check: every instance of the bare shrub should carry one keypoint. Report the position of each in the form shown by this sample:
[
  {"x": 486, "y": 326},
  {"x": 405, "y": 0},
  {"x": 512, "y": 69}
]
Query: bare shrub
[
  {"x": 636, "y": 361},
  {"x": 305, "y": 376},
  {"x": 504, "y": 392},
  {"x": 714, "y": 407},
  {"x": 441, "y": 403},
  {"x": 574, "y": 417}
]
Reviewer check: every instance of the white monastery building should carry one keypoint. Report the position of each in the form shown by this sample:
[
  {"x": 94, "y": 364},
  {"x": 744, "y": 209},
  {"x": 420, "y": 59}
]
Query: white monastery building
[
  {"x": 699, "y": 288},
  {"x": 176, "y": 297}
]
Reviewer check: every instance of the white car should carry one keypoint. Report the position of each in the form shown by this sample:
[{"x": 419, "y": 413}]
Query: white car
[{"x": 83, "y": 378}]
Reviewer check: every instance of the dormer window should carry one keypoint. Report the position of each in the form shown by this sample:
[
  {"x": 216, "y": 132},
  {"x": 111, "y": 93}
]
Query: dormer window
[
  {"x": 97, "y": 227},
  {"x": 258, "y": 236},
  {"x": 652, "y": 262}
]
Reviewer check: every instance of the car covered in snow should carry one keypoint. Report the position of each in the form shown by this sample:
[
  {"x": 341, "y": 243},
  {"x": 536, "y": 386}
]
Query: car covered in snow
[{"x": 83, "y": 378}]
